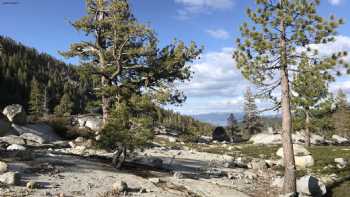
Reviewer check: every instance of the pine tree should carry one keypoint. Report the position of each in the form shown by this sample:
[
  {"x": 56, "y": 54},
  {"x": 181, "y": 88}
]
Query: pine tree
[
  {"x": 36, "y": 101},
  {"x": 65, "y": 107},
  {"x": 310, "y": 89},
  {"x": 232, "y": 126},
  {"x": 251, "y": 120},
  {"x": 271, "y": 47},
  {"x": 124, "y": 54},
  {"x": 341, "y": 116}
]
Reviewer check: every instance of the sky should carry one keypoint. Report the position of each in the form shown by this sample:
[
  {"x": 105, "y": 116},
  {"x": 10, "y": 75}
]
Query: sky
[{"x": 217, "y": 85}]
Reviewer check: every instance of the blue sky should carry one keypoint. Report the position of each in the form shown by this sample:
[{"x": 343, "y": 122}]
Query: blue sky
[{"x": 216, "y": 87}]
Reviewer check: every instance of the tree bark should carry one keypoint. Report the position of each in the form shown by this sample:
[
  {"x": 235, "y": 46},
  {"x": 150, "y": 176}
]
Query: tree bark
[
  {"x": 119, "y": 157},
  {"x": 105, "y": 102},
  {"x": 307, "y": 129},
  {"x": 289, "y": 185}
]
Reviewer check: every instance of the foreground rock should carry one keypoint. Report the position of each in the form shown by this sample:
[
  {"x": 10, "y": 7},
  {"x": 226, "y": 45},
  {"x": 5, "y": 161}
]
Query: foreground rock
[
  {"x": 266, "y": 138},
  {"x": 340, "y": 140},
  {"x": 40, "y": 133},
  {"x": 306, "y": 186},
  {"x": 120, "y": 186},
  {"x": 13, "y": 139},
  {"x": 3, "y": 167},
  {"x": 16, "y": 147},
  {"x": 299, "y": 138},
  {"x": 10, "y": 178},
  {"x": 303, "y": 158},
  {"x": 341, "y": 162},
  {"x": 15, "y": 114},
  {"x": 92, "y": 122}
]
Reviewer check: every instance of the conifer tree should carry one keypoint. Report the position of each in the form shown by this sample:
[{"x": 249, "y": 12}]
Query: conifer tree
[
  {"x": 126, "y": 57},
  {"x": 36, "y": 101},
  {"x": 251, "y": 120},
  {"x": 232, "y": 126},
  {"x": 278, "y": 38},
  {"x": 65, "y": 106},
  {"x": 341, "y": 116},
  {"x": 309, "y": 90}
]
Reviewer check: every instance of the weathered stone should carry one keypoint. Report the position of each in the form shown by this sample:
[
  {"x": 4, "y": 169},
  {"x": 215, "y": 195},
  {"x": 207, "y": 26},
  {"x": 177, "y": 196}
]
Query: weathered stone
[
  {"x": 299, "y": 150},
  {"x": 32, "y": 185},
  {"x": 79, "y": 140},
  {"x": 178, "y": 175},
  {"x": 10, "y": 178},
  {"x": 299, "y": 138},
  {"x": 15, "y": 114},
  {"x": 340, "y": 140},
  {"x": 13, "y": 139},
  {"x": 341, "y": 162},
  {"x": 306, "y": 186},
  {"x": 266, "y": 138},
  {"x": 154, "y": 180},
  {"x": 311, "y": 186},
  {"x": 92, "y": 122},
  {"x": 32, "y": 137},
  {"x": 120, "y": 186},
  {"x": 44, "y": 131},
  {"x": 3, "y": 167},
  {"x": 303, "y": 159},
  {"x": 16, "y": 147},
  {"x": 257, "y": 164}
]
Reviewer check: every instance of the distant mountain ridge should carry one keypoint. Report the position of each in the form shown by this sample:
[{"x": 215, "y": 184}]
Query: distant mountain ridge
[{"x": 219, "y": 119}]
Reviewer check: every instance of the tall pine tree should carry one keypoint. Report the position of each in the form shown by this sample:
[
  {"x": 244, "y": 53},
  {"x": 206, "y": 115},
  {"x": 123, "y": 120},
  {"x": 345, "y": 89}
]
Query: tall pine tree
[
  {"x": 309, "y": 90},
  {"x": 251, "y": 121},
  {"x": 269, "y": 49},
  {"x": 341, "y": 116},
  {"x": 36, "y": 102},
  {"x": 232, "y": 126}
]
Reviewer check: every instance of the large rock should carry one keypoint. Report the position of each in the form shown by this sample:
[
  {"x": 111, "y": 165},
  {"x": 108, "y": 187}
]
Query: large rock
[
  {"x": 266, "y": 138},
  {"x": 92, "y": 122},
  {"x": 341, "y": 162},
  {"x": 303, "y": 158},
  {"x": 120, "y": 186},
  {"x": 340, "y": 140},
  {"x": 10, "y": 178},
  {"x": 12, "y": 139},
  {"x": 15, "y": 114},
  {"x": 39, "y": 133},
  {"x": 299, "y": 150},
  {"x": 311, "y": 186},
  {"x": 299, "y": 138},
  {"x": 3, "y": 167},
  {"x": 16, "y": 147},
  {"x": 306, "y": 186},
  {"x": 219, "y": 134}
]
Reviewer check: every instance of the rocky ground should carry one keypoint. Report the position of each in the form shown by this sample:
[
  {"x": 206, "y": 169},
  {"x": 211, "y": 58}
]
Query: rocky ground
[{"x": 37, "y": 162}]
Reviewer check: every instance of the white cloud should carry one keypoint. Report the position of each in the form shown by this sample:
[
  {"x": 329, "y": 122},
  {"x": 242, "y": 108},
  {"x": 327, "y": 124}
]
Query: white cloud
[
  {"x": 218, "y": 86},
  {"x": 218, "y": 33},
  {"x": 191, "y": 7},
  {"x": 335, "y": 2}
]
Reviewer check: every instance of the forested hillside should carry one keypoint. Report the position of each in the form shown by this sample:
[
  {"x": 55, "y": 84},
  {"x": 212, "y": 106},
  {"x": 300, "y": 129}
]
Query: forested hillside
[{"x": 19, "y": 65}]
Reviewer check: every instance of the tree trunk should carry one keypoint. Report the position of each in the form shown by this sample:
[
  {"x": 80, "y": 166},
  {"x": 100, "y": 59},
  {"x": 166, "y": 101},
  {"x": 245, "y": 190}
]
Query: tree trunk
[
  {"x": 119, "y": 157},
  {"x": 289, "y": 185},
  {"x": 307, "y": 129},
  {"x": 105, "y": 102}
]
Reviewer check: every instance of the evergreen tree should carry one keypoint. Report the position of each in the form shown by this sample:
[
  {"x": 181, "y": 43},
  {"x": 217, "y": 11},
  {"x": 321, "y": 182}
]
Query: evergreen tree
[
  {"x": 65, "y": 107},
  {"x": 341, "y": 116},
  {"x": 124, "y": 54},
  {"x": 270, "y": 49},
  {"x": 251, "y": 120},
  {"x": 232, "y": 126},
  {"x": 36, "y": 101},
  {"x": 309, "y": 88}
]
